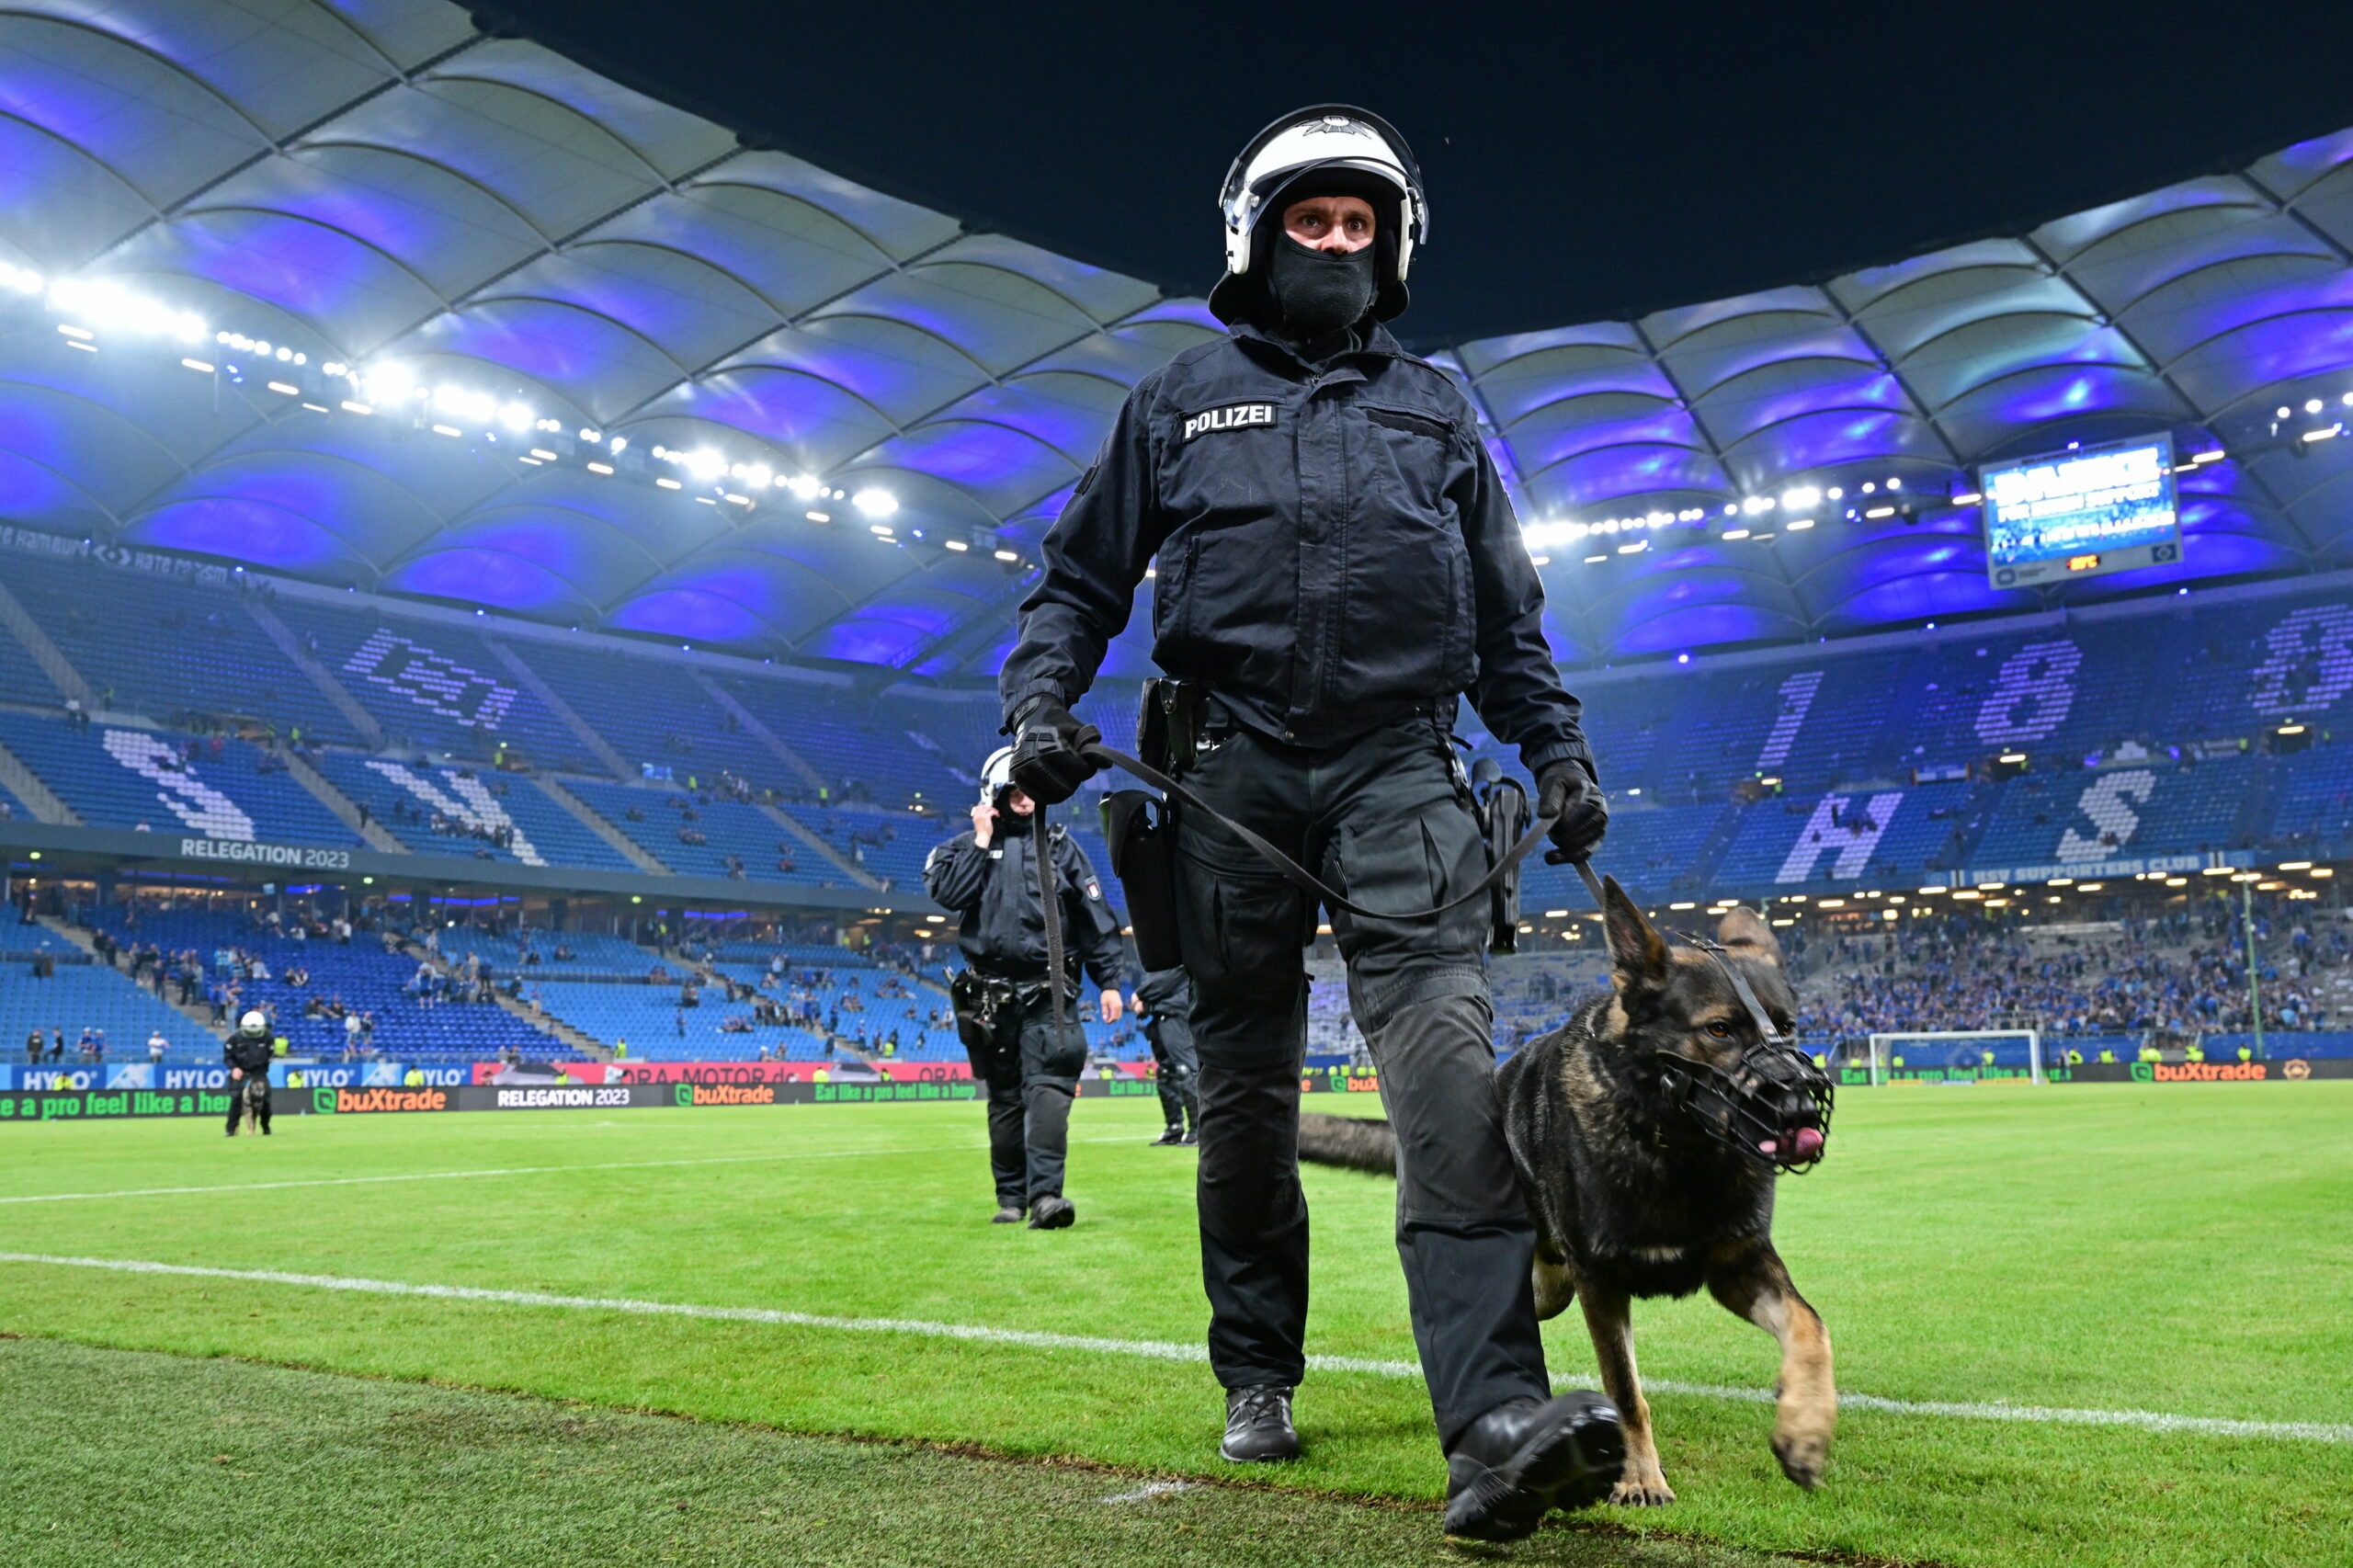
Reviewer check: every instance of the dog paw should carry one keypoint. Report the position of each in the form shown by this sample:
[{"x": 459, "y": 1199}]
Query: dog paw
[
  {"x": 1803, "y": 1457},
  {"x": 1650, "y": 1492}
]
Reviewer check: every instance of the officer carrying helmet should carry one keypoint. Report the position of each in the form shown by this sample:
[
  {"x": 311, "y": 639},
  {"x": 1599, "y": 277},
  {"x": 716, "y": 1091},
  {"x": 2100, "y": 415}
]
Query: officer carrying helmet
[
  {"x": 1006, "y": 1008},
  {"x": 249, "y": 1052},
  {"x": 1337, "y": 566}
]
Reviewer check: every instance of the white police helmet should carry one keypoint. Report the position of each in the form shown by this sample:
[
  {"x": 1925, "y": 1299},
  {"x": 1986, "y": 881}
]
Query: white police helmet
[
  {"x": 255, "y": 1023},
  {"x": 996, "y": 774},
  {"x": 1321, "y": 138}
]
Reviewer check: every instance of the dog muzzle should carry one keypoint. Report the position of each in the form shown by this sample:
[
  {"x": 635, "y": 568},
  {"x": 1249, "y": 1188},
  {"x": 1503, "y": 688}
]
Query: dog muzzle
[{"x": 1773, "y": 1107}]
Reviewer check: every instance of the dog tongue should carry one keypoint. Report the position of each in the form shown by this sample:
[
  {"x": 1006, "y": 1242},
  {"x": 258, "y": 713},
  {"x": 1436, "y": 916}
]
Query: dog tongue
[
  {"x": 1808, "y": 1142},
  {"x": 1767, "y": 1146}
]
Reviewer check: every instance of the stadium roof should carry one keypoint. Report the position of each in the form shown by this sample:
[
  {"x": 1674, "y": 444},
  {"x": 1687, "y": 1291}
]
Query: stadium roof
[{"x": 838, "y": 411}]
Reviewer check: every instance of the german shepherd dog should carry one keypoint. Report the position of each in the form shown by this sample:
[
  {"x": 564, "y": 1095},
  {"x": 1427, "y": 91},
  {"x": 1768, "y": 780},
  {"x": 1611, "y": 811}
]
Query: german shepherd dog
[{"x": 1647, "y": 1133}]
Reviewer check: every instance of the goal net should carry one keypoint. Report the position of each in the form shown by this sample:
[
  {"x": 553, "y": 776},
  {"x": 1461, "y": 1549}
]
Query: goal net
[{"x": 1935, "y": 1049}]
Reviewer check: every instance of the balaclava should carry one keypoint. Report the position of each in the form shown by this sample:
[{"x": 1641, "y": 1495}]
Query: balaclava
[{"x": 1317, "y": 295}]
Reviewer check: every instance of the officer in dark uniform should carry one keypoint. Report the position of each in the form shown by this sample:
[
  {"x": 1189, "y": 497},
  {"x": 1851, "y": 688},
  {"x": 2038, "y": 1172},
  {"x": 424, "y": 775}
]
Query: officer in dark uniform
[
  {"x": 1337, "y": 565},
  {"x": 1165, "y": 996},
  {"x": 249, "y": 1052},
  {"x": 988, "y": 876}
]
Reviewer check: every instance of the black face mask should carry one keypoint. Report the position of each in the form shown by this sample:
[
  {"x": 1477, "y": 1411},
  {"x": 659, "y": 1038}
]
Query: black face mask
[{"x": 1316, "y": 295}]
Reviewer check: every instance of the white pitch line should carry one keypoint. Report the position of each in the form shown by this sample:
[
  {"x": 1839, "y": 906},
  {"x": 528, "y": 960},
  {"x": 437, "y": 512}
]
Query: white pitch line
[
  {"x": 1150, "y": 1490},
  {"x": 516, "y": 1170},
  {"x": 1167, "y": 1350}
]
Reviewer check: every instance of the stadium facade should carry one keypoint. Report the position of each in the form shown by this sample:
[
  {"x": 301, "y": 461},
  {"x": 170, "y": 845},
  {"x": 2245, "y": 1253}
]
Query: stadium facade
[{"x": 368, "y": 375}]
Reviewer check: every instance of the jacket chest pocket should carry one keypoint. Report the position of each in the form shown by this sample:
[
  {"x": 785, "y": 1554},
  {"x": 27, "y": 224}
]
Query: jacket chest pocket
[{"x": 1410, "y": 457}]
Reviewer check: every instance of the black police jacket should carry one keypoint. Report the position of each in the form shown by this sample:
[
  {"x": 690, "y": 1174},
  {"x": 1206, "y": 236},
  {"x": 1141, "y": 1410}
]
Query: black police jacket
[
  {"x": 1166, "y": 998},
  {"x": 1335, "y": 549},
  {"x": 995, "y": 890},
  {"x": 253, "y": 1055}
]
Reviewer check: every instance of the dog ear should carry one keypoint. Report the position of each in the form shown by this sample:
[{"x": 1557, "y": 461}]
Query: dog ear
[
  {"x": 1637, "y": 952},
  {"x": 1744, "y": 931}
]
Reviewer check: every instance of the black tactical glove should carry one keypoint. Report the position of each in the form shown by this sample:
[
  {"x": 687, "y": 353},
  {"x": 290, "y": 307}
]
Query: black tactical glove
[
  {"x": 1565, "y": 791},
  {"x": 1047, "y": 739}
]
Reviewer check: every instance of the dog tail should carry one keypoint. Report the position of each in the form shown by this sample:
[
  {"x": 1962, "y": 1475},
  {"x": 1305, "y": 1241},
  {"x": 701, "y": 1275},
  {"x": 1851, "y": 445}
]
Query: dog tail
[{"x": 1357, "y": 1142}]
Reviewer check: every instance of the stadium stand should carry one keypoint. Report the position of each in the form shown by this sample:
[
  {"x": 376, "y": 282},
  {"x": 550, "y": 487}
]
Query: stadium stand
[
  {"x": 430, "y": 683},
  {"x": 118, "y": 776},
  {"x": 890, "y": 845},
  {"x": 461, "y": 810},
  {"x": 80, "y": 996},
  {"x": 707, "y": 834},
  {"x": 359, "y": 975},
  {"x": 166, "y": 646},
  {"x": 646, "y": 1021},
  {"x": 540, "y": 955},
  {"x": 866, "y": 755}
]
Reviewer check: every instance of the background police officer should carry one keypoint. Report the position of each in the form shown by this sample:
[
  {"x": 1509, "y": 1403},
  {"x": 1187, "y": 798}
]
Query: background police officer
[
  {"x": 1165, "y": 996},
  {"x": 1337, "y": 565},
  {"x": 249, "y": 1052},
  {"x": 989, "y": 877}
]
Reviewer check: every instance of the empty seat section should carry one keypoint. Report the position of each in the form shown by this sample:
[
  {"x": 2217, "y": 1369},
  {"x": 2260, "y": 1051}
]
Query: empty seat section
[
  {"x": 117, "y": 777},
  {"x": 432, "y": 684},
  {"x": 1647, "y": 851},
  {"x": 864, "y": 751},
  {"x": 650, "y": 1022},
  {"x": 459, "y": 811},
  {"x": 166, "y": 646},
  {"x": 91, "y": 996},
  {"x": 890, "y": 845},
  {"x": 591, "y": 952},
  {"x": 2070, "y": 818},
  {"x": 2315, "y": 805},
  {"x": 654, "y": 713},
  {"x": 728, "y": 828}
]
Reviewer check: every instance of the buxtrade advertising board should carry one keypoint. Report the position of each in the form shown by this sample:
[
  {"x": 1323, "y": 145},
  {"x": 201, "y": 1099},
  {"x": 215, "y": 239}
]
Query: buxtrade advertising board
[{"x": 2278, "y": 1069}]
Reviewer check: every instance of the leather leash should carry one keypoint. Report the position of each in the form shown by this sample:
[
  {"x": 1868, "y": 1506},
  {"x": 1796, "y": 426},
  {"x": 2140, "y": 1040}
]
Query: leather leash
[{"x": 1300, "y": 876}]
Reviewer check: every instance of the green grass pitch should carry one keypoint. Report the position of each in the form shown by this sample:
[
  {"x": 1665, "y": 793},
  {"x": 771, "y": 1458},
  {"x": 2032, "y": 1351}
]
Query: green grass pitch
[{"x": 2120, "y": 1248}]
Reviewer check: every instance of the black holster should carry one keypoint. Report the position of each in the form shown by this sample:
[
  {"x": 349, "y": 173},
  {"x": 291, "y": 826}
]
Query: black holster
[
  {"x": 1139, "y": 827},
  {"x": 1502, "y": 817},
  {"x": 1143, "y": 839}
]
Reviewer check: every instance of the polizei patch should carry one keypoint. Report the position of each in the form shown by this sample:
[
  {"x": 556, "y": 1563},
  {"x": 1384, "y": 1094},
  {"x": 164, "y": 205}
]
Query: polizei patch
[{"x": 1234, "y": 416}]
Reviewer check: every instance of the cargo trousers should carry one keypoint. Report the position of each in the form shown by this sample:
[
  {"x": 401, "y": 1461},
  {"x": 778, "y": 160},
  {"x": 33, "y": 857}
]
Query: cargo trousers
[
  {"x": 1386, "y": 820},
  {"x": 1031, "y": 1086}
]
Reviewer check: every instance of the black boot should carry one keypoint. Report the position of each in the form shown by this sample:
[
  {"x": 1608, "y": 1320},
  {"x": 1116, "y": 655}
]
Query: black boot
[
  {"x": 1258, "y": 1426},
  {"x": 1053, "y": 1213},
  {"x": 1006, "y": 1214},
  {"x": 1521, "y": 1461},
  {"x": 1173, "y": 1133}
]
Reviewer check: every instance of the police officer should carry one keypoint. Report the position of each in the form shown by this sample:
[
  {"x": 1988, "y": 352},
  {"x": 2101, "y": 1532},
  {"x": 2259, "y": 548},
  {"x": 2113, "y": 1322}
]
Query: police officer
[
  {"x": 1337, "y": 564},
  {"x": 1165, "y": 996},
  {"x": 249, "y": 1054},
  {"x": 989, "y": 877}
]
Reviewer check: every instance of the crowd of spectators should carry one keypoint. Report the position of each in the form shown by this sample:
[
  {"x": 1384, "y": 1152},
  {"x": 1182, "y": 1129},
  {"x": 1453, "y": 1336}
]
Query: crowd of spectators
[{"x": 2185, "y": 972}]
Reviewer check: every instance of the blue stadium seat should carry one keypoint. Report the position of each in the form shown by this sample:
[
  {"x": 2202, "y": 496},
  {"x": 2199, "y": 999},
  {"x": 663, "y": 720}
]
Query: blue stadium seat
[{"x": 114, "y": 776}]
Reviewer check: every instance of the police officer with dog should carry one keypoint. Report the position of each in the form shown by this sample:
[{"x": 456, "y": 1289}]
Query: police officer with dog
[
  {"x": 1337, "y": 565},
  {"x": 249, "y": 1052},
  {"x": 1019, "y": 1029}
]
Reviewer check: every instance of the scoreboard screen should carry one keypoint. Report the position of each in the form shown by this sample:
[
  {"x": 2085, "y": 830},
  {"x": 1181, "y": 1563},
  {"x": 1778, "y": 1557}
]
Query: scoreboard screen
[{"x": 2080, "y": 514}]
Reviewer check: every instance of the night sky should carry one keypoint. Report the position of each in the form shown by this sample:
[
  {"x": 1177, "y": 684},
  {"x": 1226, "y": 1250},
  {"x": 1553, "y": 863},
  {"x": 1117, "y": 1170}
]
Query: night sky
[{"x": 1583, "y": 162}]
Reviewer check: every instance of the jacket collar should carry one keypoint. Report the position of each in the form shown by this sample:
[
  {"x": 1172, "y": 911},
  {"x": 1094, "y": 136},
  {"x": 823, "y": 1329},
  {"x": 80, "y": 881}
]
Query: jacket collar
[{"x": 1378, "y": 345}]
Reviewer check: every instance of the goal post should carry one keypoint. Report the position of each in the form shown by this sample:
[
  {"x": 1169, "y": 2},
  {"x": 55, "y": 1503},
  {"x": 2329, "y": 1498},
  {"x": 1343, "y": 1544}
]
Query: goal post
[{"x": 1885, "y": 1046}]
